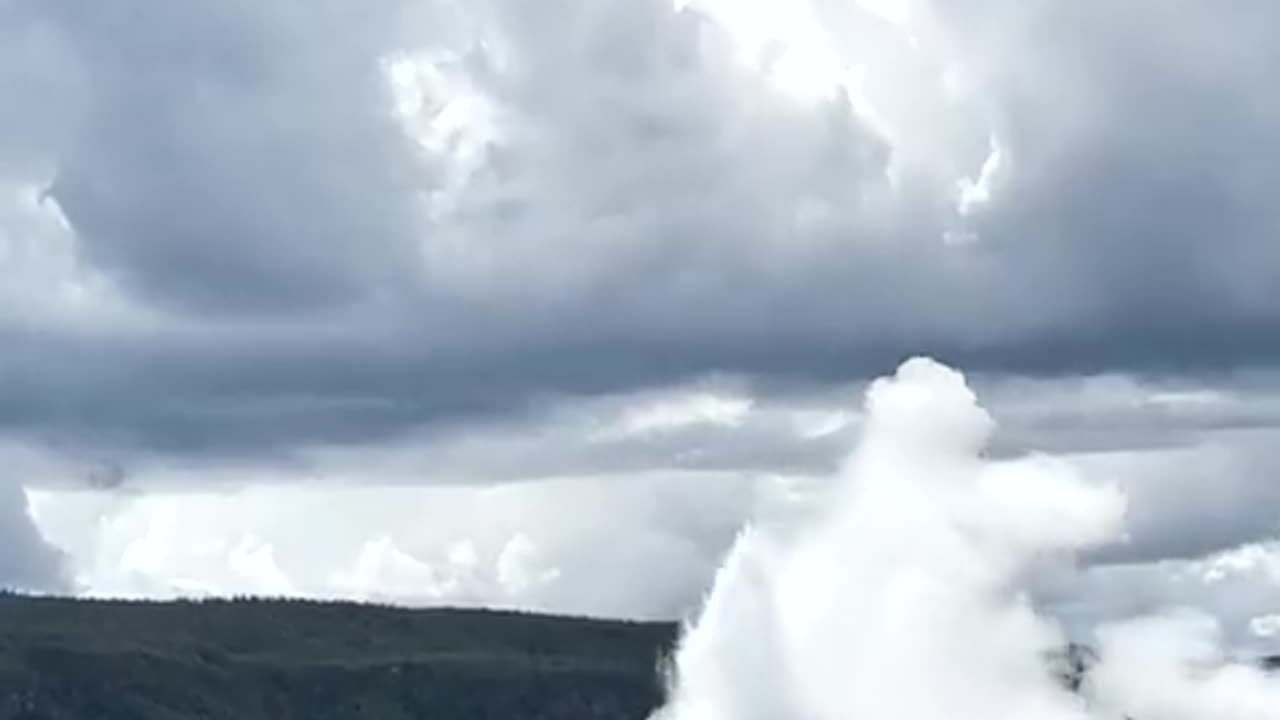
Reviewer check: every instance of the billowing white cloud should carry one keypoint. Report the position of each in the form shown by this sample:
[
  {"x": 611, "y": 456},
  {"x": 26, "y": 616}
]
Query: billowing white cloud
[{"x": 631, "y": 546}]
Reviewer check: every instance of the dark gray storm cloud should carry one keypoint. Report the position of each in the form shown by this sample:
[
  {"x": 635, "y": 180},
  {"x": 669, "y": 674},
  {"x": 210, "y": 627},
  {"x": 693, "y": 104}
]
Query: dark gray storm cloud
[
  {"x": 234, "y": 157},
  {"x": 246, "y": 242}
]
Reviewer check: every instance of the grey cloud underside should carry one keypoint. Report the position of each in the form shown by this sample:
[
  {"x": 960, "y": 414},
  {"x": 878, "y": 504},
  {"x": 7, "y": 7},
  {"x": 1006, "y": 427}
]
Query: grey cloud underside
[
  {"x": 27, "y": 563},
  {"x": 235, "y": 168},
  {"x": 229, "y": 157},
  {"x": 220, "y": 397}
]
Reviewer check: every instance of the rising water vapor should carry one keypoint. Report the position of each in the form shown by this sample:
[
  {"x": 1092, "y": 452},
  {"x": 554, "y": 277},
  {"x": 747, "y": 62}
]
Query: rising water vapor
[{"x": 908, "y": 594}]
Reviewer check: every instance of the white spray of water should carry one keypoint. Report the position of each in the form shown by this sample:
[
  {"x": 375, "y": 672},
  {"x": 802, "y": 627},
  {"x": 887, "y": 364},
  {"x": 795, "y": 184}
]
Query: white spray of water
[{"x": 907, "y": 596}]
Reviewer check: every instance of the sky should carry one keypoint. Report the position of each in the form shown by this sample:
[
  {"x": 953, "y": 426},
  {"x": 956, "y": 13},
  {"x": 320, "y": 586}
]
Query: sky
[
  {"x": 910, "y": 591},
  {"x": 486, "y": 303}
]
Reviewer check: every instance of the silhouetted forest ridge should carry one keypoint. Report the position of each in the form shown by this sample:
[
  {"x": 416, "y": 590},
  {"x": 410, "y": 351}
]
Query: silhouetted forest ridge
[
  {"x": 63, "y": 659},
  {"x": 250, "y": 659}
]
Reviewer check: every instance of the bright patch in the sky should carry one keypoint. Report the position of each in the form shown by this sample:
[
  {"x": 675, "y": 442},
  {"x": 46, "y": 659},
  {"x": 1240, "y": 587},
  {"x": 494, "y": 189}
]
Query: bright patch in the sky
[
  {"x": 684, "y": 411},
  {"x": 898, "y": 12},
  {"x": 899, "y": 76},
  {"x": 784, "y": 41},
  {"x": 1266, "y": 625},
  {"x": 976, "y": 193}
]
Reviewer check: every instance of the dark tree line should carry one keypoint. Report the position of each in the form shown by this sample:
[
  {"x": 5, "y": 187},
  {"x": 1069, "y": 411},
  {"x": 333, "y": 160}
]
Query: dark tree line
[
  {"x": 287, "y": 660},
  {"x": 252, "y": 659}
]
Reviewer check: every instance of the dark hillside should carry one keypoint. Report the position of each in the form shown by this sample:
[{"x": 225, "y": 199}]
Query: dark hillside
[
  {"x": 292, "y": 660},
  {"x": 280, "y": 660}
]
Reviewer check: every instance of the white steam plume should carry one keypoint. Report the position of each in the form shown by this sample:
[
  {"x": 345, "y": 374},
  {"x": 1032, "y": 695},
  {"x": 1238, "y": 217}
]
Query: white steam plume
[{"x": 908, "y": 595}]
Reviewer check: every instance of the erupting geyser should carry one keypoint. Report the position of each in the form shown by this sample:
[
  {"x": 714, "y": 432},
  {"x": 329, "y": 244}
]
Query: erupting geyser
[{"x": 907, "y": 595}]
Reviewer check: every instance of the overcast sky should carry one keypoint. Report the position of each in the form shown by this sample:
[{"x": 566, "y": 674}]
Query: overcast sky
[{"x": 535, "y": 303}]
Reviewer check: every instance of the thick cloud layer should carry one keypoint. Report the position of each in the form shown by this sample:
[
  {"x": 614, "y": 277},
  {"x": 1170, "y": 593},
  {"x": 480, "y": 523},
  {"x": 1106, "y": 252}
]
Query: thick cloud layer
[
  {"x": 538, "y": 513},
  {"x": 489, "y": 273},
  {"x": 285, "y": 222}
]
